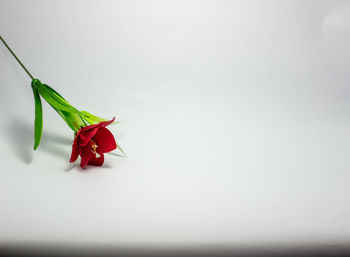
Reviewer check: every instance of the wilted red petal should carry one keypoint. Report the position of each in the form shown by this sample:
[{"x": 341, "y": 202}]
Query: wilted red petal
[
  {"x": 85, "y": 154},
  {"x": 75, "y": 151},
  {"x": 96, "y": 161},
  {"x": 105, "y": 141}
]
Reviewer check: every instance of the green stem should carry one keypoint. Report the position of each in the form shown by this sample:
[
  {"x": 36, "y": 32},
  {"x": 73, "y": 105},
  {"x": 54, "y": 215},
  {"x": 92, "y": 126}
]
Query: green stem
[{"x": 30, "y": 75}]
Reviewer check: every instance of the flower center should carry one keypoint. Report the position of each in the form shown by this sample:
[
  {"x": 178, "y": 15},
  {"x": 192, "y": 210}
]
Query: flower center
[{"x": 93, "y": 148}]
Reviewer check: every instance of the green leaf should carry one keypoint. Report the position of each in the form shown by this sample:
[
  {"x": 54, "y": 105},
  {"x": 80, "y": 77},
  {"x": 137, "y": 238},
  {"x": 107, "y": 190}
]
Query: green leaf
[
  {"x": 38, "y": 122},
  {"x": 73, "y": 120},
  {"x": 54, "y": 99},
  {"x": 69, "y": 114},
  {"x": 92, "y": 119},
  {"x": 56, "y": 93}
]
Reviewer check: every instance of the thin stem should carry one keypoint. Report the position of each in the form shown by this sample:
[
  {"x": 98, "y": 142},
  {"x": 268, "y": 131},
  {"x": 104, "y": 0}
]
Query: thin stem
[{"x": 30, "y": 75}]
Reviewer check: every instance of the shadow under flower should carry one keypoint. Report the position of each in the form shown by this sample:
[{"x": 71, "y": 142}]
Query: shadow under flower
[
  {"x": 89, "y": 167},
  {"x": 50, "y": 141},
  {"x": 71, "y": 166},
  {"x": 21, "y": 134}
]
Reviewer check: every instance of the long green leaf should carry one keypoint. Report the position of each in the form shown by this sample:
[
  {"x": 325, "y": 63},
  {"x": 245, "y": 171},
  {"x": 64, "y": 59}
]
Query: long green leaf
[
  {"x": 73, "y": 120},
  {"x": 69, "y": 114},
  {"x": 38, "y": 122},
  {"x": 54, "y": 99},
  {"x": 56, "y": 93},
  {"x": 92, "y": 119}
]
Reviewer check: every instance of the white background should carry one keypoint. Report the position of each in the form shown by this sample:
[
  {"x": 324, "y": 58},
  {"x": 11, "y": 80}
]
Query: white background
[{"x": 235, "y": 118}]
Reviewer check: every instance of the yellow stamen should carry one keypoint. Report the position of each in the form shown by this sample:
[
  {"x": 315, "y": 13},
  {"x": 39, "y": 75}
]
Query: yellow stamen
[{"x": 93, "y": 148}]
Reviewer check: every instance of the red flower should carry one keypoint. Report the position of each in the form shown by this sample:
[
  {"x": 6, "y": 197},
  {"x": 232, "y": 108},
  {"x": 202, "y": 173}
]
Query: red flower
[{"x": 91, "y": 142}]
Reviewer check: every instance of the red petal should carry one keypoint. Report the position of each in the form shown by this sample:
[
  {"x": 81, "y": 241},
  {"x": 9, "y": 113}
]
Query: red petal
[
  {"x": 89, "y": 127},
  {"x": 85, "y": 154},
  {"x": 106, "y": 123},
  {"x": 102, "y": 123},
  {"x": 104, "y": 140},
  {"x": 75, "y": 150},
  {"x": 85, "y": 136},
  {"x": 96, "y": 161},
  {"x": 86, "y": 133}
]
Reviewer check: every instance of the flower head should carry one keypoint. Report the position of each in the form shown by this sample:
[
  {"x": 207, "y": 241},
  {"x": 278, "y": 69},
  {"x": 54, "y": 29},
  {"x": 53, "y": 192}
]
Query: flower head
[{"x": 91, "y": 142}]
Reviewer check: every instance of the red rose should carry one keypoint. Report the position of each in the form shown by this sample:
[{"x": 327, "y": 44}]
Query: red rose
[{"x": 91, "y": 142}]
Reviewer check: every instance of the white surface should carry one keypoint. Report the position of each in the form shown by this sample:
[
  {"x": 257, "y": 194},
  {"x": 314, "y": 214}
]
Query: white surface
[{"x": 236, "y": 122}]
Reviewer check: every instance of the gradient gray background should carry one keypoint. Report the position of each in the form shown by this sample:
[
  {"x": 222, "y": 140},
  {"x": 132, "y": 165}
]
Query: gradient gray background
[{"x": 236, "y": 122}]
